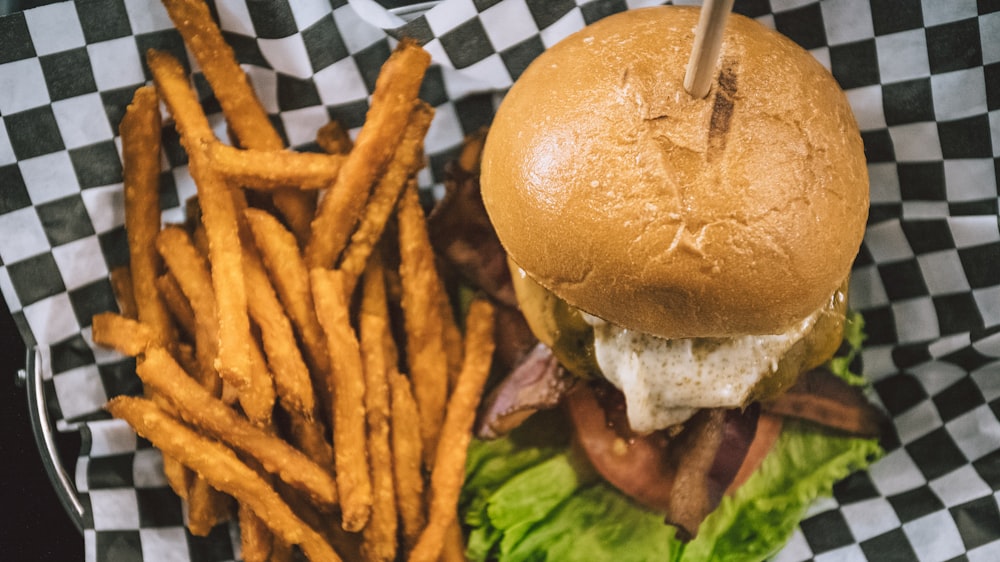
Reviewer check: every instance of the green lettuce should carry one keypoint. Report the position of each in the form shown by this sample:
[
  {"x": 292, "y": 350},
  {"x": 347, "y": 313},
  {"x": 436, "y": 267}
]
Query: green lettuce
[{"x": 528, "y": 498}]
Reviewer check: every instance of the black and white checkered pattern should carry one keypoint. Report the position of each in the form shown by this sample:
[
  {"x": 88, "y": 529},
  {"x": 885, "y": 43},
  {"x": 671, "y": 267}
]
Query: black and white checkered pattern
[{"x": 923, "y": 77}]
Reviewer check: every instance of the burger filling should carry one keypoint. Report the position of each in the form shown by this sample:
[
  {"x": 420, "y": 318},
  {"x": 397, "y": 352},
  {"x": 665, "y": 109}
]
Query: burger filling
[{"x": 665, "y": 381}]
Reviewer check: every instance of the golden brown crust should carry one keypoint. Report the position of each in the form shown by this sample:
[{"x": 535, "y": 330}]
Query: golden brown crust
[{"x": 740, "y": 213}]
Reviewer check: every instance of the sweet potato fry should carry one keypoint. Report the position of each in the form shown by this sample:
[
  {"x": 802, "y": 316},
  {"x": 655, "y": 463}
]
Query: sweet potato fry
[
  {"x": 140, "y": 134},
  {"x": 406, "y": 461},
  {"x": 242, "y": 108},
  {"x": 395, "y": 93},
  {"x": 449, "y": 465},
  {"x": 218, "y": 214},
  {"x": 426, "y": 358},
  {"x": 124, "y": 335},
  {"x": 177, "y": 303},
  {"x": 207, "y": 507},
  {"x": 380, "y": 533},
  {"x": 291, "y": 376},
  {"x": 290, "y": 278},
  {"x": 334, "y": 139},
  {"x": 190, "y": 270},
  {"x": 257, "y": 398},
  {"x": 256, "y": 540},
  {"x": 222, "y": 469},
  {"x": 121, "y": 286},
  {"x": 347, "y": 373},
  {"x": 274, "y": 169},
  {"x": 404, "y": 164},
  {"x": 209, "y": 414}
]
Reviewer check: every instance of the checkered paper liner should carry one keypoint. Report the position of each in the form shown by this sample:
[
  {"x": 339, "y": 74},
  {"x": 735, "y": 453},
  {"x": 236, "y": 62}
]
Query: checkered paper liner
[{"x": 924, "y": 81}]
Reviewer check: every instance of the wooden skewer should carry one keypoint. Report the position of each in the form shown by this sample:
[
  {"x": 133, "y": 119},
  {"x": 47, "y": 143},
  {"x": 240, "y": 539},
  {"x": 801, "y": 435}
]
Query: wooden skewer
[{"x": 707, "y": 43}]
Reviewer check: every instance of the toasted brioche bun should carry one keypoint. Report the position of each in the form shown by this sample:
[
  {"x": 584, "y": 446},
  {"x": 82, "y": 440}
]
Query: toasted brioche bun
[{"x": 740, "y": 213}]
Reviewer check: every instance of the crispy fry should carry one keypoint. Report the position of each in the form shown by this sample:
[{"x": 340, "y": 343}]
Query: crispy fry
[
  {"x": 334, "y": 139},
  {"x": 172, "y": 84},
  {"x": 222, "y": 469},
  {"x": 121, "y": 285},
  {"x": 242, "y": 108},
  {"x": 124, "y": 335},
  {"x": 449, "y": 465},
  {"x": 257, "y": 398},
  {"x": 209, "y": 414},
  {"x": 207, "y": 507},
  {"x": 428, "y": 363},
  {"x": 395, "y": 92},
  {"x": 140, "y": 133},
  {"x": 380, "y": 533},
  {"x": 406, "y": 460},
  {"x": 256, "y": 540},
  {"x": 274, "y": 169},
  {"x": 177, "y": 303},
  {"x": 450, "y": 334},
  {"x": 190, "y": 270},
  {"x": 291, "y": 376},
  {"x": 347, "y": 374},
  {"x": 454, "y": 544},
  {"x": 219, "y": 217},
  {"x": 309, "y": 435},
  {"x": 290, "y": 279},
  {"x": 218, "y": 214},
  {"x": 404, "y": 164}
]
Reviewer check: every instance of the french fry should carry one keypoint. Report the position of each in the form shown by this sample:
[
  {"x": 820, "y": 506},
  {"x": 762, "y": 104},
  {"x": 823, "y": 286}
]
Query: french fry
[
  {"x": 449, "y": 465},
  {"x": 334, "y": 139},
  {"x": 124, "y": 335},
  {"x": 290, "y": 278},
  {"x": 219, "y": 217},
  {"x": 121, "y": 286},
  {"x": 220, "y": 467},
  {"x": 207, "y": 507},
  {"x": 190, "y": 271},
  {"x": 380, "y": 533},
  {"x": 218, "y": 214},
  {"x": 257, "y": 399},
  {"x": 451, "y": 335},
  {"x": 140, "y": 134},
  {"x": 256, "y": 540},
  {"x": 395, "y": 93},
  {"x": 347, "y": 374},
  {"x": 242, "y": 108},
  {"x": 454, "y": 544},
  {"x": 274, "y": 169},
  {"x": 407, "y": 458},
  {"x": 308, "y": 433},
  {"x": 291, "y": 376},
  {"x": 200, "y": 409},
  {"x": 428, "y": 363},
  {"x": 177, "y": 303},
  {"x": 404, "y": 164}
]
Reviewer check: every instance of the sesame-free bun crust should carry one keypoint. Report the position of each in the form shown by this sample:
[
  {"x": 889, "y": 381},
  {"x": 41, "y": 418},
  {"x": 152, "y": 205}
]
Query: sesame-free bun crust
[{"x": 739, "y": 213}]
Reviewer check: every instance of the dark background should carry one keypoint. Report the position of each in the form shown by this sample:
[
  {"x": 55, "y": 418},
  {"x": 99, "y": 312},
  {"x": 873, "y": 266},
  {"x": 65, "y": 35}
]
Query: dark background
[{"x": 35, "y": 525}]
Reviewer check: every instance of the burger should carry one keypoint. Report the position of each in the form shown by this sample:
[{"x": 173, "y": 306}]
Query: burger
[{"x": 685, "y": 260}]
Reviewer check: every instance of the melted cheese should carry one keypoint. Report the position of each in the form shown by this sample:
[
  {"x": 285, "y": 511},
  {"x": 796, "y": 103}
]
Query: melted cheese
[{"x": 666, "y": 381}]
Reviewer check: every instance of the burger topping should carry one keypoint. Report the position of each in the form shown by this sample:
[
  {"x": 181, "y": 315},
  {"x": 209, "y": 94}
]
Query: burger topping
[{"x": 666, "y": 381}]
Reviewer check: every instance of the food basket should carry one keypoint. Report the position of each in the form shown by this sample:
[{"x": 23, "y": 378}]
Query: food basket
[{"x": 923, "y": 79}]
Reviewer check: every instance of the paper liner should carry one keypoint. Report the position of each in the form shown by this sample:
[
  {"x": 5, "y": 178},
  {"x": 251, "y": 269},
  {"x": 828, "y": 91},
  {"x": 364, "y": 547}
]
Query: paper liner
[{"x": 924, "y": 81}]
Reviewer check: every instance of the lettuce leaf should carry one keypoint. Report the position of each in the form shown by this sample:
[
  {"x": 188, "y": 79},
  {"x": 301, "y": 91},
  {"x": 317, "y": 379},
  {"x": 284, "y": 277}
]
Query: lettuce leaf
[
  {"x": 528, "y": 498},
  {"x": 548, "y": 506}
]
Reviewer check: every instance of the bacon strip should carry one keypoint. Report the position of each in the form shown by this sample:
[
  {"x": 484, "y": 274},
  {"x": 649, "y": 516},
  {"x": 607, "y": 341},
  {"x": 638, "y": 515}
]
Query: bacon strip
[{"x": 821, "y": 397}]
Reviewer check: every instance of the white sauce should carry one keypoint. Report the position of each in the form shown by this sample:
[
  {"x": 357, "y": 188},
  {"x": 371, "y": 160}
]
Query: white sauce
[{"x": 666, "y": 381}]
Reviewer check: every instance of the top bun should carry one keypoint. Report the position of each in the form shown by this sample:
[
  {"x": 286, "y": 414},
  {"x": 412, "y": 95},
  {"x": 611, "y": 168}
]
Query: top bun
[{"x": 740, "y": 213}]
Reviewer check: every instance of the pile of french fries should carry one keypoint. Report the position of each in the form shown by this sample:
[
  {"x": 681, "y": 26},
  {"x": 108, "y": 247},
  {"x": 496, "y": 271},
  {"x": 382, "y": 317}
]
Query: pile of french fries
[{"x": 302, "y": 366}]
